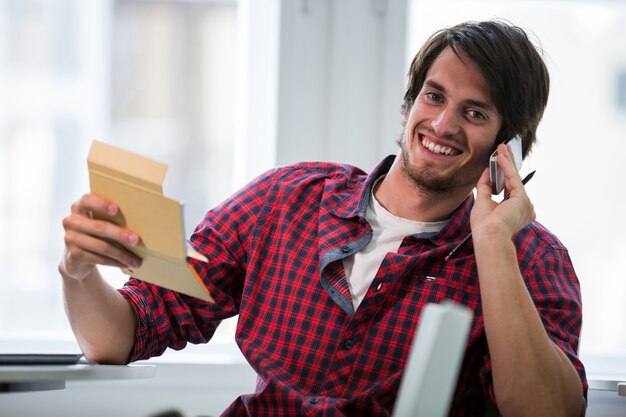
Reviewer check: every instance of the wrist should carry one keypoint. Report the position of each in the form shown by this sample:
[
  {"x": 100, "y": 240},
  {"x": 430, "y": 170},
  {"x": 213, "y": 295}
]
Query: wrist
[
  {"x": 491, "y": 233},
  {"x": 74, "y": 276}
]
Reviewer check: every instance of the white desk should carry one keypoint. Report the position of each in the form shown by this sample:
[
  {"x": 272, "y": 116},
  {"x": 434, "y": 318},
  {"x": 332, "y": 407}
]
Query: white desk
[
  {"x": 19, "y": 378},
  {"x": 608, "y": 383}
]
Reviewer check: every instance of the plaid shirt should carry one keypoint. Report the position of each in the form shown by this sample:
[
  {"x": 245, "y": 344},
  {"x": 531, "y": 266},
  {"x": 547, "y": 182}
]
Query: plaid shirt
[{"x": 275, "y": 251}]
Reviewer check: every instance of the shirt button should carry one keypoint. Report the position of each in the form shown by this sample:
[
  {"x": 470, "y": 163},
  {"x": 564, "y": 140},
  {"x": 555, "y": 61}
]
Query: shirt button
[
  {"x": 314, "y": 400},
  {"x": 348, "y": 344},
  {"x": 345, "y": 249}
]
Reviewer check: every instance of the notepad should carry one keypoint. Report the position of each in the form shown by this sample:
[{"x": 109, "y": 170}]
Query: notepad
[{"x": 135, "y": 184}]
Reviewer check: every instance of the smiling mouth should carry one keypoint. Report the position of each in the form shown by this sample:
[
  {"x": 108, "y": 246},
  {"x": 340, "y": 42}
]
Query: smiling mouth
[{"x": 439, "y": 149}]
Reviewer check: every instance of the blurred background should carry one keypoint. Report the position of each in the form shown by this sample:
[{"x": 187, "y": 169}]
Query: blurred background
[{"x": 221, "y": 90}]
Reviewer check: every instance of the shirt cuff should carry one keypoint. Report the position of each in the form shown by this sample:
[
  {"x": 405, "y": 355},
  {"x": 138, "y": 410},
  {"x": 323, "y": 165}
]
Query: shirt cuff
[{"x": 145, "y": 333}]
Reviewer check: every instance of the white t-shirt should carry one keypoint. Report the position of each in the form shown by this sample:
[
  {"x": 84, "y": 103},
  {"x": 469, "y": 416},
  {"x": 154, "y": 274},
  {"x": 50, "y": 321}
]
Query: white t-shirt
[{"x": 388, "y": 233}]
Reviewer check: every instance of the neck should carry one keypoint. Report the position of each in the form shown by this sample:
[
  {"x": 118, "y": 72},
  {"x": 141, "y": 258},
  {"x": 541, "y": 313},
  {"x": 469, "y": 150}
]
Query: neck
[{"x": 402, "y": 198}]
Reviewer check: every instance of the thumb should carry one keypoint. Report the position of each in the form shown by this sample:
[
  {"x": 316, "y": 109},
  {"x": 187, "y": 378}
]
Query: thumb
[{"x": 483, "y": 186}]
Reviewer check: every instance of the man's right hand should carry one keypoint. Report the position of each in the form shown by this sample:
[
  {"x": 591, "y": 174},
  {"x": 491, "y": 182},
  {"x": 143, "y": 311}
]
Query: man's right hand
[{"x": 90, "y": 242}]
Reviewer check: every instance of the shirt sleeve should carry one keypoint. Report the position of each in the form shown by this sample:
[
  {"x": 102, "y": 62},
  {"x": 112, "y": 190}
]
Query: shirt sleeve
[
  {"x": 553, "y": 285},
  {"x": 166, "y": 319}
]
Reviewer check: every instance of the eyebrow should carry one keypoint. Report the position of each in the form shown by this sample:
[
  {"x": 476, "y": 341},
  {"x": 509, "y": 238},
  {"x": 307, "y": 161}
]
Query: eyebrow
[{"x": 473, "y": 102}]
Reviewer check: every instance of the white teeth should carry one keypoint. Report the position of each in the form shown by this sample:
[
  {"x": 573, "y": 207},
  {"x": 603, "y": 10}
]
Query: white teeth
[{"x": 444, "y": 150}]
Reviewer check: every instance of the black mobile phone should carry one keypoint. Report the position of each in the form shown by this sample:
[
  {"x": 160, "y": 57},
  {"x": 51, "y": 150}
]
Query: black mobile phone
[{"x": 495, "y": 174}]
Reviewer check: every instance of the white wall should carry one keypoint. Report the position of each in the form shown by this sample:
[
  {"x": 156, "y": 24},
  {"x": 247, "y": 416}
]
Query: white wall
[{"x": 341, "y": 80}]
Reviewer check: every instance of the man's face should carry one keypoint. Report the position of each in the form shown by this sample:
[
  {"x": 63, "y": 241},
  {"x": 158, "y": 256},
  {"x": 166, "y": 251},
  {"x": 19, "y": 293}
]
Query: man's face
[{"x": 451, "y": 128}]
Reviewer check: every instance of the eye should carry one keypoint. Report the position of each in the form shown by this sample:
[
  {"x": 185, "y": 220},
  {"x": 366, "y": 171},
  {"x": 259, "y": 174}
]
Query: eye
[
  {"x": 432, "y": 96},
  {"x": 476, "y": 115}
]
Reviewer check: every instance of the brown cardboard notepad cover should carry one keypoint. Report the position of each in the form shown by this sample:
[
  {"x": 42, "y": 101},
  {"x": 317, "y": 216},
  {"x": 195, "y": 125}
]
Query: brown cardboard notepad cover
[{"x": 135, "y": 183}]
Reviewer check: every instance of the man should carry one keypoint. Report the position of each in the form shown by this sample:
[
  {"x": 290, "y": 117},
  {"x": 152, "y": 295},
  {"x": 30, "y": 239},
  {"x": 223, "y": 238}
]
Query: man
[{"x": 329, "y": 268}]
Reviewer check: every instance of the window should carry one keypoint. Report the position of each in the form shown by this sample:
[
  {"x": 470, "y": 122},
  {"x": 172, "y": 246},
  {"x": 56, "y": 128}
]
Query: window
[
  {"x": 155, "y": 77},
  {"x": 577, "y": 191}
]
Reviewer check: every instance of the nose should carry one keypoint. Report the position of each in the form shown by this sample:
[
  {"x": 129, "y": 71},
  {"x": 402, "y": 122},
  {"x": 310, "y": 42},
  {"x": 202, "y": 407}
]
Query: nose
[{"x": 445, "y": 123}]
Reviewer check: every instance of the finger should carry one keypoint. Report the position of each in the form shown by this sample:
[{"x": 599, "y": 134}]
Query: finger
[
  {"x": 83, "y": 257},
  {"x": 91, "y": 203},
  {"x": 505, "y": 156},
  {"x": 100, "y": 228},
  {"x": 88, "y": 249},
  {"x": 506, "y": 163},
  {"x": 483, "y": 186}
]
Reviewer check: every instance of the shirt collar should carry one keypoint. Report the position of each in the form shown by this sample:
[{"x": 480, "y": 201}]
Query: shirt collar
[
  {"x": 344, "y": 205},
  {"x": 458, "y": 226}
]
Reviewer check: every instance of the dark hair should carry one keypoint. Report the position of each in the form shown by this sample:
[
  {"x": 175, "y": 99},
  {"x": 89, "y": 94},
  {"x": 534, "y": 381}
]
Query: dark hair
[{"x": 510, "y": 63}]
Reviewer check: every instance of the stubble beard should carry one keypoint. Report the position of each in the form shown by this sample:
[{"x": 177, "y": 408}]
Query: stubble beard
[{"x": 424, "y": 179}]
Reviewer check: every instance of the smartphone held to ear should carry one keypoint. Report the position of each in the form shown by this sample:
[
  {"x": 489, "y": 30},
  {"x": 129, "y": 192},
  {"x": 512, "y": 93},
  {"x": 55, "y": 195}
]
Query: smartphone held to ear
[{"x": 495, "y": 173}]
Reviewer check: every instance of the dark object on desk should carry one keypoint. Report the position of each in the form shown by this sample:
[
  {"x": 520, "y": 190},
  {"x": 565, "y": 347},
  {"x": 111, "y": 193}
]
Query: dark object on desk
[
  {"x": 168, "y": 413},
  {"x": 172, "y": 413},
  {"x": 39, "y": 358}
]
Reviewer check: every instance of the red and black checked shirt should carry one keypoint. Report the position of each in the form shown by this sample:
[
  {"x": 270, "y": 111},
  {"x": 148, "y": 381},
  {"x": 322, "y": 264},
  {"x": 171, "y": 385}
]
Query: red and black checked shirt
[{"x": 275, "y": 251}]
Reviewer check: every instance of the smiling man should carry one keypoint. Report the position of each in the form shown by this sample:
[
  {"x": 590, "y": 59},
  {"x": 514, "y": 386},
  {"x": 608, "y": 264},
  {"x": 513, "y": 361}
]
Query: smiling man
[{"x": 329, "y": 267}]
